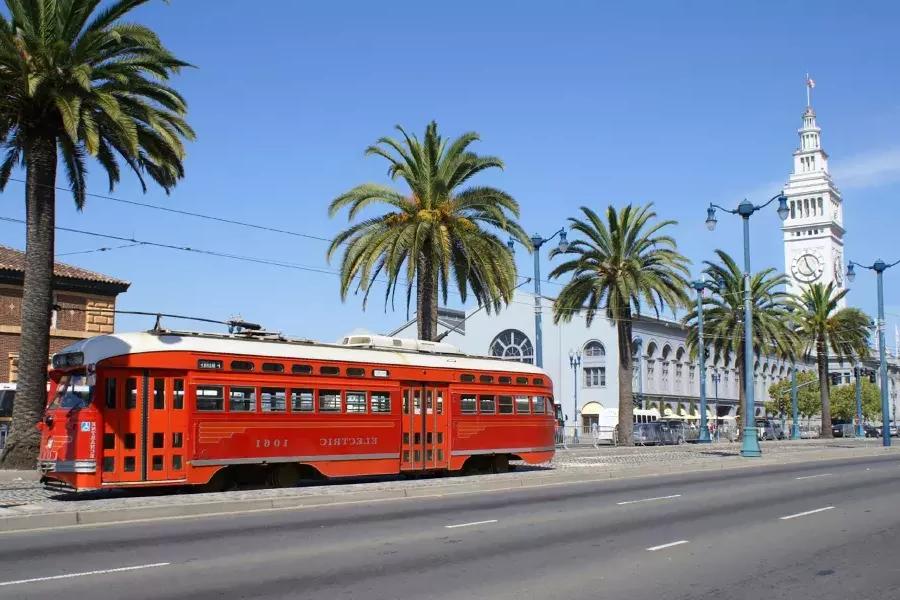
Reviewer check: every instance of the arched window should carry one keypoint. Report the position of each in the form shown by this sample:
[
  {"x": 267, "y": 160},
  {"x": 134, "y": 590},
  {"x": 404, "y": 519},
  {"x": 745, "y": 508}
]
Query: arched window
[
  {"x": 512, "y": 344},
  {"x": 594, "y": 349}
]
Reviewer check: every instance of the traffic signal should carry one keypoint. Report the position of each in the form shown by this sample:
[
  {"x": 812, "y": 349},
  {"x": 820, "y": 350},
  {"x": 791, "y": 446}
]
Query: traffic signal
[
  {"x": 835, "y": 378},
  {"x": 871, "y": 376}
]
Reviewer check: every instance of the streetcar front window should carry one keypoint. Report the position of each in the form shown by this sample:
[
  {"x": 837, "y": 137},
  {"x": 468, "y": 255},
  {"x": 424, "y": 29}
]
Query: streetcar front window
[{"x": 73, "y": 391}]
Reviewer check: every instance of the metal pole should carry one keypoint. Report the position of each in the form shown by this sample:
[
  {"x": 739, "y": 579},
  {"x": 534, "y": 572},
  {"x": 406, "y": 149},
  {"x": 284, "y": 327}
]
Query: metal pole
[
  {"x": 704, "y": 427},
  {"x": 715, "y": 378},
  {"x": 885, "y": 407},
  {"x": 795, "y": 406},
  {"x": 538, "y": 333},
  {"x": 576, "y": 362},
  {"x": 750, "y": 447},
  {"x": 860, "y": 432}
]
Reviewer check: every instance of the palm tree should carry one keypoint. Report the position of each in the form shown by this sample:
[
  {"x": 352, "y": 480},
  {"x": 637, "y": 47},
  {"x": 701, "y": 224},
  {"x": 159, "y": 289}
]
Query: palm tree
[
  {"x": 433, "y": 233},
  {"x": 623, "y": 265},
  {"x": 75, "y": 82},
  {"x": 824, "y": 327},
  {"x": 723, "y": 317}
]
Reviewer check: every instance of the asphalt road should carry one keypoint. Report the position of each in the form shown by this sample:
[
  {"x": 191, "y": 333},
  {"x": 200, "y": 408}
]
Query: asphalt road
[{"x": 828, "y": 531}]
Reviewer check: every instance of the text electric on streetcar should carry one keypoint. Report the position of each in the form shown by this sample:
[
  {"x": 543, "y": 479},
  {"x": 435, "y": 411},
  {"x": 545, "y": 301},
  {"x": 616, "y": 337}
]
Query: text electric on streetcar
[{"x": 181, "y": 408}]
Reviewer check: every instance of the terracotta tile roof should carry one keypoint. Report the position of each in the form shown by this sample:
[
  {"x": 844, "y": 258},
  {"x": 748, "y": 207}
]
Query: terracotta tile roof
[{"x": 14, "y": 260}]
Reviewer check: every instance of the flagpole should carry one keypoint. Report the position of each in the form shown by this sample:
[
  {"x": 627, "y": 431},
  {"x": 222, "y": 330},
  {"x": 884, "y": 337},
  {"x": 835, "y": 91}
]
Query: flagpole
[{"x": 807, "y": 91}]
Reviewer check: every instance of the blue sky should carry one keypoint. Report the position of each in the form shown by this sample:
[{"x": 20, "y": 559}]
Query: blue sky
[{"x": 588, "y": 103}]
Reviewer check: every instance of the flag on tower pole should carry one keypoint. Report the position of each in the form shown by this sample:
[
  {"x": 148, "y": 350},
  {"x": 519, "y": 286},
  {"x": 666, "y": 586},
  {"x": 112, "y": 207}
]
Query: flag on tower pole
[{"x": 810, "y": 84}]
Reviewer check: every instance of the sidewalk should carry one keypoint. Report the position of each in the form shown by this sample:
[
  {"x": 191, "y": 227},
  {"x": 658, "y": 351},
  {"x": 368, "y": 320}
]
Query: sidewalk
[{"x": 24, "y": 504}]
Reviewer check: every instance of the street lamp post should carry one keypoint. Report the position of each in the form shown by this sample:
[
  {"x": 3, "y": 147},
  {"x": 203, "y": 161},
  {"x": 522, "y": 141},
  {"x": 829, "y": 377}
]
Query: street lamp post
[
  {"x": 536, "y": 242},
  {"x": 715, "y": 379},
  {"x": 795, "y": 406},
  {"x": 750, "y": 447},
  {"x": 879, "y": 266},
  {"x": 699, "y": 286},
  {"x": 575, "y": 362},
  {"x": 857, "y": 371}
]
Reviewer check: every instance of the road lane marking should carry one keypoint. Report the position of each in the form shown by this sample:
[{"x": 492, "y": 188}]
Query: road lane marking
[
  {"x": 808, "y": 512},
  {"x": 471, "y": 524},
  {"x": 648, "y": 499},
  {"x": 84, "y": 574},
  {"x": 814, "y": 476},
  {"x": 669, "y": 545}
]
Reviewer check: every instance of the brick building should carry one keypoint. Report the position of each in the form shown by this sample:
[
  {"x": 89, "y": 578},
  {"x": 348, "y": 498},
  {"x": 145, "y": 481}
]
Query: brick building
[{"x": 85, "y": 300}]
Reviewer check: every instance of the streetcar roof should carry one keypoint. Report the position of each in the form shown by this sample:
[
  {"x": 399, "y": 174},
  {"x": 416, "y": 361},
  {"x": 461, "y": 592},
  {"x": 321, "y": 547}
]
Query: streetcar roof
[{"x": 101, "y": 347}]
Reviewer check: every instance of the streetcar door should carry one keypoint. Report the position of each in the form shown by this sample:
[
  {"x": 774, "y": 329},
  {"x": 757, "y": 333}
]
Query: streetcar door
[
  {"x": 123, "y": 399},
  {"x": 424, "y": 436},
  {"x": 166, "y": 427}
]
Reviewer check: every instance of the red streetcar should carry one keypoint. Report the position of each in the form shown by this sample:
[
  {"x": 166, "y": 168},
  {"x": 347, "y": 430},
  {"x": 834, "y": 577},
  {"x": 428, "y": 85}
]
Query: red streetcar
[{"x": 179, "y": 408}]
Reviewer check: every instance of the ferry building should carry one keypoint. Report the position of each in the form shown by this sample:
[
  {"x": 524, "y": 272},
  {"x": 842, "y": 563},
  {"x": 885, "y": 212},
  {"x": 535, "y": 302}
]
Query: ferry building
[{"x": 665, "y": 376}]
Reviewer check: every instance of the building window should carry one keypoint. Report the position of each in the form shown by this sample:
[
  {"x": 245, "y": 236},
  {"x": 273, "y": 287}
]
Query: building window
[
  {"x": 595, "y": 377},
  {"x": 512, "y": 344},
  {"x": 594, "y": 350}
]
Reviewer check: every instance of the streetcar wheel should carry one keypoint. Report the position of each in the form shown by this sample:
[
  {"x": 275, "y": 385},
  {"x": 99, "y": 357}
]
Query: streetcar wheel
[
  {"x": 285, "y": 476},
  {"x": 500, "y": 464}
]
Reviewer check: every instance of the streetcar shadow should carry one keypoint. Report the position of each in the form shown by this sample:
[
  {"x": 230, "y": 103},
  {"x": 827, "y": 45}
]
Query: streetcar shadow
[{"x": 150, "y": 492}]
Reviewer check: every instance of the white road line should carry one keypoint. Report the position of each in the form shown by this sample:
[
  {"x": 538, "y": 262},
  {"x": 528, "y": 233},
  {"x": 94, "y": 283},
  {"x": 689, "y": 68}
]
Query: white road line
[
  {"x": 648, "y": 499},
  {"x": 470, "y": 524},
  {"x": 84, "y": 574},
  {"x": 808, "y": 512},
  {"x": 669, "y": 545},
  {"x": 814, "y": 476}
]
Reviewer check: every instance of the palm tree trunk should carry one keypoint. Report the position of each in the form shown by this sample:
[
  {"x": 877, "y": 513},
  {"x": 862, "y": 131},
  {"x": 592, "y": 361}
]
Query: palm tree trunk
[
  {"x": 426, "y": 300},
  {"x": 626, "y": 395},
  {"x": 31, "y": 394},
  {"x": 822, "y": 360}
]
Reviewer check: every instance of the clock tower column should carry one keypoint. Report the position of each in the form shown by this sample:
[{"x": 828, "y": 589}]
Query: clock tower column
[{"x": 813, "y": 231}]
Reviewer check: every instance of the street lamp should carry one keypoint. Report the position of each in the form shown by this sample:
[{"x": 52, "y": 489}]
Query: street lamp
[
  {"x": 575, "y": 362},
  {"x": 746, "y": 208},
  {"x": 536, "y": 242},
  {"x": 699, "y": 286},
  {"x": 716, "y": 377},
  {"x": 879, "y": 266},
  {"x": 795, "y": 406},
  {"x": 857, "y": 372}
]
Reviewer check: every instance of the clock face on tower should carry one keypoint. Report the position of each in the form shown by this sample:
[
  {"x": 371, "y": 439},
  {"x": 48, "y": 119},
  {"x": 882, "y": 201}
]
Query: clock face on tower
[{"x": 807, "y": 267}]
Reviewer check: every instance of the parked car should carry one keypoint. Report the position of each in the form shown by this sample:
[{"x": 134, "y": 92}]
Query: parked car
[
  {"x": 841, "y": 429},
  {"x": 767, "y": 429},
  {"x": 808, "y": 433},
  {"x": 678, "y": 431},
  {"x": 646, "y": 434},
  {"x": 872, "y": 431}
]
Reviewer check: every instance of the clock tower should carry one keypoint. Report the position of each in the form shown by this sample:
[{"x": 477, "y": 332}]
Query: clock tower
[{"x": 813, "y": 231}]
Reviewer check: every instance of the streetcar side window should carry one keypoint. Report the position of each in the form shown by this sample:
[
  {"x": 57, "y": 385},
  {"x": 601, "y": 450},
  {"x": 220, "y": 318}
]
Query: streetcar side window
[
  {"x": 467, "y": 378},
  {"x": 131, "y": 393},
  {"x": 159, "y": 393},
  {"x": 487, "y": 405},
  {"x": 356, "y": 372},
  {"x": 523, "y": 406},
  {"x": 356, "y": 402},
  {"x": 178, "y": 400},
  {"x": 241, "y": 365},
  {"x": 111, "y": 393},
  {"x": 521, "y": 380},
  {"x": 302, "y": 401},
  {"x": 329, "y": 401},
  {"x": 242, "y": 399},
  {"x": 273, "y": 367},
  {"x": 210, "y": 397},
  {"x": 272, "y": 399},
  {"x": 505, "y": 380},
  {"x": 329, "y": 370},
  {"x": 539, "y": 403},
  {"x": 506, "y": 405},
  {"x": 486, "y": 378},
  {"x": 381, "y": 402},
  {"x": 467, "y": 403},
  {"x": 301, "y": 369}
]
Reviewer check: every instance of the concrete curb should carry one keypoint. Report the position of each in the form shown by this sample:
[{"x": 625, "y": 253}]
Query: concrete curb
[{"x": 49, "y": 520}]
